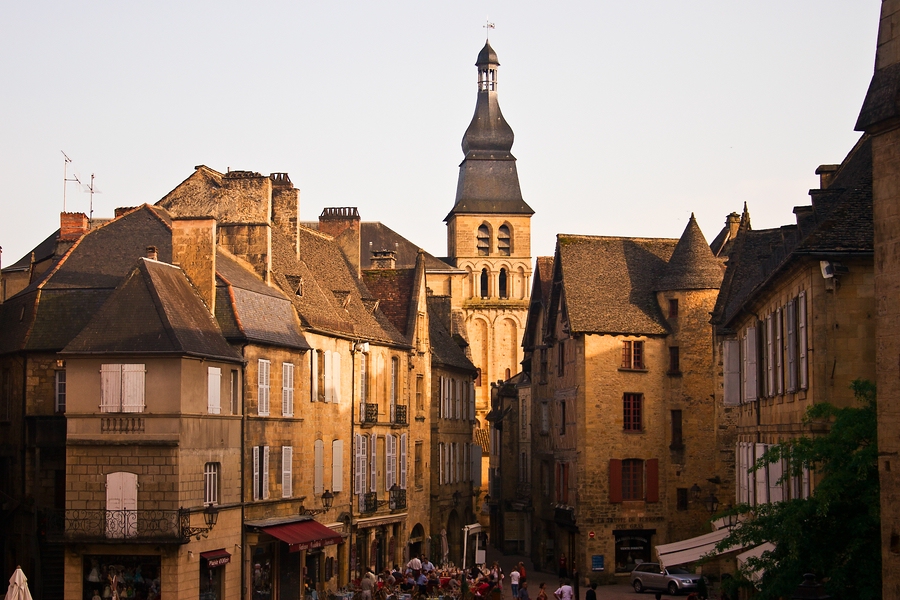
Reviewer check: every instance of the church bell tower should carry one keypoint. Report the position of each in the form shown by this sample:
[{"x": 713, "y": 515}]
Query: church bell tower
[{"x": 489, "y": 238}]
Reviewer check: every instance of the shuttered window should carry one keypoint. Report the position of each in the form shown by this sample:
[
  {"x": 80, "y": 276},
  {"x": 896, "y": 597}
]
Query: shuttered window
[
  {"x": 801, "y": 334},
  {"x": 287, "y": 389},
  {"x": 214, "y": 390},
  {"x": 732, "y": 370},
  {"x": 390, "y": 461},
  {"x": 263, "y": 388},
  {"x": 337, "y": 466},
  {"x": 122, "y": 388},
  {"x": 313, "y": 375},
  {"x": 319, "y": 468},
  {"x": 287, "y": 471}
]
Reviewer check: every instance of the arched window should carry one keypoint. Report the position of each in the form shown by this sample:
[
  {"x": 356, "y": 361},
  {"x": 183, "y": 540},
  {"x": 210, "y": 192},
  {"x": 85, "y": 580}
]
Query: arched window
[
  {"x": 504, "y": 289},
  {"x": 484, "y": 241},
  {"x": 503, "y": 240},
  {"x": 484, "y": 283}
]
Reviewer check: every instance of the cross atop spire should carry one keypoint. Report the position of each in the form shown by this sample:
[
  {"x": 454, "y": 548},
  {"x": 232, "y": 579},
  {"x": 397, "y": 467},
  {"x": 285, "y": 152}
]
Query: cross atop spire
[{"x": 488, "y": 26}]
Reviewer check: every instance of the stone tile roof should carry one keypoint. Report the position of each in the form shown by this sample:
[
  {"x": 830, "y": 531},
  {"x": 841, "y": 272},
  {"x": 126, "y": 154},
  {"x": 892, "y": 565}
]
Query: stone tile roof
[
  {"x": 483, "y": 439},
  {"x": 542, "y": 283},
  {"x": 447, "y": 350},
  {"x": 394, "y": 290},
  {"x": 155, "y": 310},
  {"x": 608, "y": 283},
  {"x": 881, "y": 102},
  {"x": 55, "y": 307},
  {"x": 692, "y": 265},
  {"x": 248, "y": 310},
  {"x": 838, "y": 221}
]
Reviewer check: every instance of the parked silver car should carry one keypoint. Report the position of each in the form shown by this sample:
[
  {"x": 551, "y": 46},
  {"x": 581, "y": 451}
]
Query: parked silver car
[{"x": 649, "y": 576}]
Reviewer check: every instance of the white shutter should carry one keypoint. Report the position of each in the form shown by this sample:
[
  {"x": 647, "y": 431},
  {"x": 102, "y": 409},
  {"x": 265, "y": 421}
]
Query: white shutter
[
  {"x": 313, "y": 375},
  {"x": 363, "y": 463},
  {"x": 792, "y": 346},
  {"x": 801, "y": 332},
  {"x": 441, "y": 399},
  {"x": 287, "y": 471},
  {"x": 471, "y": 400},
  {"x": 319, "y": 470},
  {"x": 458, "y": 388},
  {"x": 776, "y": 488},
  {"x": 373, "y": 475},
  {"x": 214, "y": 390},
  {"x": 121, "y": 497},
  {"x": 132, "y": 388},
  {"x": 336, "y": 377},
  {"x": 263, "y": 387},
  {"x": 762, "y": 484},
  {"x": 110, "y": 388},
  {"x": 265, "y": 473},
  {"x": 390, "y": 460},
  {"x": 751, "y": 388},
  {"x": 403, "y": 451},
  {"x": 256, "y": 472},
  {"x": 779, "y": 351},
  {"x": 770, "y": 355},
  {"x": 329, "y": 389},
  {"x": 805, "y": 491},
  {"x": 337, "y": 466},
  {"x": 732, "y": 365},
  {"x": 287, "y": 389},
  {"x": 441, "y": 463},
  {"x": 359, "y": 464}
]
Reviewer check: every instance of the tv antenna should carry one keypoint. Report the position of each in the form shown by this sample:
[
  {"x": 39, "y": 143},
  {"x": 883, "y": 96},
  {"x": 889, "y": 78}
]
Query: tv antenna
[
  {"x": 93, "y": 190},
  {"x": 66, "y": 180}
]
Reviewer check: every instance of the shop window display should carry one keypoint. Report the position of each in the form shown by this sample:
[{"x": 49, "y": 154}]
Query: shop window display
[{"x": 114, "y": 576}]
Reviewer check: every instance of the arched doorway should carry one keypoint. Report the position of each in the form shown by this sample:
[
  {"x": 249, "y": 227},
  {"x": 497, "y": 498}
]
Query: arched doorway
[{"x": 416, "y": 544}]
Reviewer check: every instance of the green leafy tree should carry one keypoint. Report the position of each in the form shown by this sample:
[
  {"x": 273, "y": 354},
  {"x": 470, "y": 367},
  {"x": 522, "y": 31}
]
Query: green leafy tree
[{"x": 835, "y": 533}]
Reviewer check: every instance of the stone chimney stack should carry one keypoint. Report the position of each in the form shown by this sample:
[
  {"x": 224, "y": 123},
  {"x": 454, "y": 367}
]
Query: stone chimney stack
[
  {"x": 194, "y": 250},
  {"x": 152, "y": 253},
  {"x": 384, "y": 259},
  {"x": 826, "y": 174},
  {"x": 342, "y": 223},
  {"x": 71, "y": 227},
  {"x": 286, "y": 208},
  {"x": 733, "y": 223}
]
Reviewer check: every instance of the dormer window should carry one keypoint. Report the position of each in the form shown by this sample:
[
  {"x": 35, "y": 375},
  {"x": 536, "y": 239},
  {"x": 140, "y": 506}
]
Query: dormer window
[
  {"x": 503, "y": 241},
  {"x": 484, "y": 241}
]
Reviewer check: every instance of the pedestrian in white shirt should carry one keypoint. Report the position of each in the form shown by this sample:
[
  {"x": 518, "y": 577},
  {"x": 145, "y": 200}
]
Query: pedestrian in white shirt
[{"x": 565, "y": 591}]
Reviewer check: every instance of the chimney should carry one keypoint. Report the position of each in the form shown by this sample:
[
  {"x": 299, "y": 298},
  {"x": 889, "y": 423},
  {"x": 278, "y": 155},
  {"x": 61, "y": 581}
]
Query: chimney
[
  {"x": 826, "y": 174},
  {"x": 342, "y": 223},
  {"x": 194, "y": 250},
  {"x": 384, "y": 259},
  {"x": 286, "y": 208},
  {"x": 72, "y": 226},
  {"x": 733, "y": 223},
  {"x": 152, "y": 253}
]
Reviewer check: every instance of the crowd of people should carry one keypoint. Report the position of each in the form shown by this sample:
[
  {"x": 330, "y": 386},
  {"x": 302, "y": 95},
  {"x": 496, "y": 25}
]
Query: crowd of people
[{"x": 421, "y": 578}]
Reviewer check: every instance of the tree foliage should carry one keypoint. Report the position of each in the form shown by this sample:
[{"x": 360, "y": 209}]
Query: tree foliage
[{"x": 835, "y": 533}]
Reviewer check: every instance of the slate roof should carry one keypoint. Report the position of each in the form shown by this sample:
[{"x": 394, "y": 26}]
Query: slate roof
[
  {"x": 447, "y": 350},
  {"x": 837, "y": 222},
  {"x": 692, "y": 265},
  {"x": 608, "y": 283},
  {"x": 394, "y": 290},
  {"x": 542, "y": 284},
  {"x": 248, "y": 310},
  {"x": 155, "y": 310},
  {"x": 56, "y": 306},
  {"x": 41, "y": 252},
  {"x": 881, "y": 101}
]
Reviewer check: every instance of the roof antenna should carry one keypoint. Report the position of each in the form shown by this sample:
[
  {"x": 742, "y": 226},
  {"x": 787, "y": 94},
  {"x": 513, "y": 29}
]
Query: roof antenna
[
  {"x": 66, "y": 179},
  {"x": 93, "y": 190},
  {"x": 488, "y": 26}
]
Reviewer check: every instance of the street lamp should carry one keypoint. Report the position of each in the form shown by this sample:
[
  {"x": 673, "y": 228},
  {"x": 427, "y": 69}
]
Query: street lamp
[
  {"x": 695, "y": 492},
  {"x": 327, "y": 500},
  {"x": 711, "y": 503},
  {"x": 211, "y": 516}
]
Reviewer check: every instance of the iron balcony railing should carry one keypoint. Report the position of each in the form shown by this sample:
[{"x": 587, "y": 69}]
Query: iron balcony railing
[
  {"x": 369, "y": 413},
  {"x": 368, "y": 502},
  {"x": 400, "y": 415},
  {"x": 397, "y": 499},
  {"x": 121, "y": 525}
]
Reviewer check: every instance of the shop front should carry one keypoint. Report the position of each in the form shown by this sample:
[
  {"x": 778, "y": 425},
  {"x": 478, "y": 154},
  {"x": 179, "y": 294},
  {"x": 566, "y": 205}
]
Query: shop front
[
  {"x": 633, "y": 547},
  {"x": 120, "y": 576},
  {"x": 212, "y": 574}
]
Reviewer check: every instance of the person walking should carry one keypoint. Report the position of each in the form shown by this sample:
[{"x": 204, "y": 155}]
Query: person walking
[
  {"x": 514, "y": 581},
  {"x": 523, "y": 591},
  {"x": 563, "y": 566},
  {"x": 542, "y": 592},
  {"x": 565, "y": 591},
  {"x": 592, "y": 592}
]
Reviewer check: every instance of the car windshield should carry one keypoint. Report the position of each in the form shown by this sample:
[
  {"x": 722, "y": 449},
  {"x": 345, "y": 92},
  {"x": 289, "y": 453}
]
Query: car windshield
[{"x": 678, "y": 571}]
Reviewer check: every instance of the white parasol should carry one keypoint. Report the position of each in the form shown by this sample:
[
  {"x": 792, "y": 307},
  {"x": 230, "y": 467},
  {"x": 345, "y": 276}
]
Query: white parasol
[{"x": 18, "y": 586}]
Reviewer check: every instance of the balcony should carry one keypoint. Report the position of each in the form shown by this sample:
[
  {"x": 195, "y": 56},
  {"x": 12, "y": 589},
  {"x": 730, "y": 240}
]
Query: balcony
[
  {"x": 400, "y": 415},
  {"x": 369, "y": 413},
  {"x": 368, "y": 502},
  {"x": 116, "y": 526},
  {"x": 397, "y": 498}
]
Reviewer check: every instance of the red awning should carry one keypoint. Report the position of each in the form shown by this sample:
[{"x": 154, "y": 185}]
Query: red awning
[
  {"x": 304, "y": 535},
  {"x": 216, "y": 558}
]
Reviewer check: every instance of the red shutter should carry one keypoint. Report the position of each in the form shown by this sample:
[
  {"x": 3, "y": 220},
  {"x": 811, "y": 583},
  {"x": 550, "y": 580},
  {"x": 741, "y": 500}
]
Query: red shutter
[
  {"x": 615, "y": 480},
  {"x": 652, "y": 480}
]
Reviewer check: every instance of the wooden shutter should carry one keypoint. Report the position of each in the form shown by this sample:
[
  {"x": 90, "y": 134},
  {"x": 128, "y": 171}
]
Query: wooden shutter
[
  {"x": 287, "y": 389},
  {"x": 791, "y": 326},
  {"x": 403, "y": 466},
  {"x": 776, "y": 487},
  {"x": 263, "y": 387},
  {"x": 615, "y": 480},
  {"x": 373, "y": 451},
  {"x": 359, "y": 463},
  {"x": 337, "y": 466},
  {"x": 779, "y": 351},
  {"x": 770, "y": 355},
  {"x": 652, "y": 466},
  {"x": 751, "y": 376},
  {"x": 214, "y": 390},
  {"x": 110, "y": 388},
  {"x": 762, "y": 484},
  {"x": 287, "y": 471},
  {"x": 732, "y": 366},
  {"x": 335, "y": 376},
  {"x": 313, "y": 375},
  {"x": 319, "y": 470},
  {"x": 803, "y": 342},
  {"x": 329, "y": 368},
  {"x": 133, "y": 388},
  {"x": 121, "y": 497},
  {"x": 264, "y": 474},
  {"x": 256, "y": 488},
  {"x": 390, "y": 460},
  {"x": 472, "y": 401}
]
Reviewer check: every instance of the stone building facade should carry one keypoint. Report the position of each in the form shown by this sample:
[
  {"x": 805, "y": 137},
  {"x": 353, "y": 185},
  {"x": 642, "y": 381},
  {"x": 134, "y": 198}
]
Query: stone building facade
[{"x": 623, "y": 421}]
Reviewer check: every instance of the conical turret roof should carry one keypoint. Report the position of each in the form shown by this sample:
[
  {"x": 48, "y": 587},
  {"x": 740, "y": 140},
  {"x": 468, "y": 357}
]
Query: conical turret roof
[
  {"x": 487, "y": 56},
  {"x": 693, "y": 265}
]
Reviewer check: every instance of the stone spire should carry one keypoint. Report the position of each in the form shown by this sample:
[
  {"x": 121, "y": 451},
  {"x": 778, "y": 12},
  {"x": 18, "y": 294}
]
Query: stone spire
[
  {"x": 693, "y": 265},
  {"x": 488, "y": 180}
]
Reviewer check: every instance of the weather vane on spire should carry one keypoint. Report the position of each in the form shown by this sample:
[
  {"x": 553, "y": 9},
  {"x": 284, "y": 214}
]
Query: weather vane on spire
[{"x": 488, "y": 26}]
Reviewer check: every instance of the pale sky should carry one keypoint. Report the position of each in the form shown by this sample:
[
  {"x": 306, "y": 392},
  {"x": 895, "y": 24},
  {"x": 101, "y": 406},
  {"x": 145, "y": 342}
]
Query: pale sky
[{"x": 628, "y": 115}]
